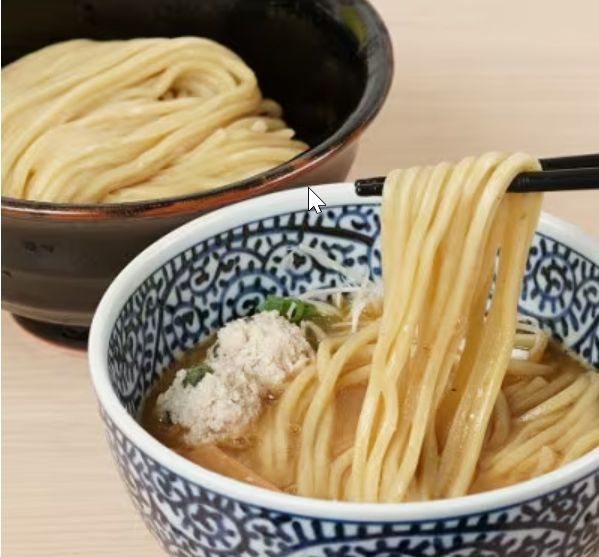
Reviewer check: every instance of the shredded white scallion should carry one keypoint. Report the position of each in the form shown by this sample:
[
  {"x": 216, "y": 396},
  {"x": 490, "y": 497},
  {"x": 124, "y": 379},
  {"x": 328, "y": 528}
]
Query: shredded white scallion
[
  {"x": 362, "y": 290},
  {"x": 320, "y": 257}
]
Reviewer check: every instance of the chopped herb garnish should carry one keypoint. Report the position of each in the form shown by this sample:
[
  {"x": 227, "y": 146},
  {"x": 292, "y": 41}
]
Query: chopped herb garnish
[
  {"x": 294, "y": 309},
  {"x": 196, "y": 373}
]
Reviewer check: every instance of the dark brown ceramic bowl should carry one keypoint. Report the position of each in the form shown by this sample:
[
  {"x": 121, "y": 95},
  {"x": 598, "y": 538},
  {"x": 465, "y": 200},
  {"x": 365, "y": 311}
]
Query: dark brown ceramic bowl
[{"x": 328, "y": 62}]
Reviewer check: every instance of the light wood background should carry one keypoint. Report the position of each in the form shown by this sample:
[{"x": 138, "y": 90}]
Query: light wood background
[{"x": 470, "y": 76}]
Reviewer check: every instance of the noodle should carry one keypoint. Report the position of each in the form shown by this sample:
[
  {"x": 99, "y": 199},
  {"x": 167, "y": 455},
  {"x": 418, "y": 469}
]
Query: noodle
[
  {"x": 434, "y": 405},
  {"x": 441, "y": 390},
  {"x": 116, "y": 121}
]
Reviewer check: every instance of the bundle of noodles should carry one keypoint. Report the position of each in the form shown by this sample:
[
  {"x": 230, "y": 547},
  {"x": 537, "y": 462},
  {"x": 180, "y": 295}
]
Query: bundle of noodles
[
  {"x": 115, "y": 121},
  {"x": 426, "y": 399}
]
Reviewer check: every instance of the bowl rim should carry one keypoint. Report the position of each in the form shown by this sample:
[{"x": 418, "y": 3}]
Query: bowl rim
[
  {"x": 379, "y": 77},
  {"x": 257, "y": 209}
]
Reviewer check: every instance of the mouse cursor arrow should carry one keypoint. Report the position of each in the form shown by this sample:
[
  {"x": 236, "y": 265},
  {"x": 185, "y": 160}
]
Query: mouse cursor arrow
[{"x": 314, "y": 202}]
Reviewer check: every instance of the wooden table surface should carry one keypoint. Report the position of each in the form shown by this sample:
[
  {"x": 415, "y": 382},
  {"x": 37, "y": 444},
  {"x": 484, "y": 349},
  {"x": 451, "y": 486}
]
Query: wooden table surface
[{"x": 470, "y": 76}]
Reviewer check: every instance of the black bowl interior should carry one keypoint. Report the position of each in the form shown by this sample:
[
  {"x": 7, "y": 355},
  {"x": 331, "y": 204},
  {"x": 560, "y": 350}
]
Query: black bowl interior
[{"x": 310, "y": 56}]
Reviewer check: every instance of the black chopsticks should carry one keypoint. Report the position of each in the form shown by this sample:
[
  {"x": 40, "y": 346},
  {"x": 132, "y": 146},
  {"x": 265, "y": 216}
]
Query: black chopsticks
[{"x": 580, "y": 172}]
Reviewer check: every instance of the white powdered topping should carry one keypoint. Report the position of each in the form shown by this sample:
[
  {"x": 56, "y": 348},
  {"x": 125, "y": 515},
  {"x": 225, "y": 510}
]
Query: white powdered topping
[
  {"x": 250, "y": 358},
  {"x": 219, "y": 406},
  {"x": 265, "y": 347}
]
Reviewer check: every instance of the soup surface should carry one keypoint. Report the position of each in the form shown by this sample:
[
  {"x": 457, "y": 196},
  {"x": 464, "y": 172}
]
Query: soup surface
[{"x": 526, "y": 387}]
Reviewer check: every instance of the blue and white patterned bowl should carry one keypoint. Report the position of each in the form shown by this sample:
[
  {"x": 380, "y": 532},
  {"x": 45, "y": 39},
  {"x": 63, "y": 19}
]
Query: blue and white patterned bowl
[{"x": 218, "y": 267}]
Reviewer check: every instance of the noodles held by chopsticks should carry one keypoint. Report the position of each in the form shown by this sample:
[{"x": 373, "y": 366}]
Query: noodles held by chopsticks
[{"x": 444, "y": 409}]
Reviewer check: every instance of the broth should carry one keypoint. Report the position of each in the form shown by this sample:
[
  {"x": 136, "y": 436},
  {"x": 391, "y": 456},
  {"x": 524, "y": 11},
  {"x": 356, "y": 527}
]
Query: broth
[{"x": 239, "y": 458}]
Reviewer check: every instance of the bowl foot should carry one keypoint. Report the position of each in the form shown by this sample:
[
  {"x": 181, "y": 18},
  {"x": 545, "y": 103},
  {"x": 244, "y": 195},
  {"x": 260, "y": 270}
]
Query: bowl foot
[{"x": 63, "y": 335}]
